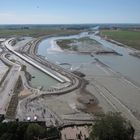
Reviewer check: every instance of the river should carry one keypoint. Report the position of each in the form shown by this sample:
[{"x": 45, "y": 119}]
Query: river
[{"x": 127, "y": 65}]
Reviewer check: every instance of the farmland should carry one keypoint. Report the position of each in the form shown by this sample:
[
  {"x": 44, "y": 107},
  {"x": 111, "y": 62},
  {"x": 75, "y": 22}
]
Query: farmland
[
  {"x": 129, "y": 38},
  {"x": 35, "y": 32}
]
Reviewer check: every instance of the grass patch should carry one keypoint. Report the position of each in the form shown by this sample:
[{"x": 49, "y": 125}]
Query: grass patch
[
  {"x": 88, "y": 41},
  {"x": 129, "y": 38},
  {"x": 65, "y": 44},
  {"x": 14, "y": 130}
]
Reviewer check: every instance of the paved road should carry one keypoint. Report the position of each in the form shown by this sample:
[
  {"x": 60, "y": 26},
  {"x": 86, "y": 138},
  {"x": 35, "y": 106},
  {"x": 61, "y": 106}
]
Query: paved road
[{"x": 7, "y": 87}]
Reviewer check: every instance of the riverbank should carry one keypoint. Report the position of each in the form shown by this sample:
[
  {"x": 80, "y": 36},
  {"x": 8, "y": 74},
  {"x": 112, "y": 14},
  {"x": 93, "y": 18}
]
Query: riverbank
[
  {"x": 129, "y": 38},
  {"x": 84, "y": 45}
]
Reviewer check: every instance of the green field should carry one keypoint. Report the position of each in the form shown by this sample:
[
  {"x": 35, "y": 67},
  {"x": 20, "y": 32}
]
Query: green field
[
  {"x": 129, "y": 38},
  {"x": 34, "y": 32}
]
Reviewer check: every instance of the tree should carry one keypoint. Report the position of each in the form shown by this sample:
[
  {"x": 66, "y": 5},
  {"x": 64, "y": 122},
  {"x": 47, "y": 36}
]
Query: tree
[
  {"x": 6, "y": 136},
  {"x": 21, "y": 129},
  {"x": 112, "y": 127},
  {"x": 34, "y": 131},
  {"x": 26, "y": 131}
]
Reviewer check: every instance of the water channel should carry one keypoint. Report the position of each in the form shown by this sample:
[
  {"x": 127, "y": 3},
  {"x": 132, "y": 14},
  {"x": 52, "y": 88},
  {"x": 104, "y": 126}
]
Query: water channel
[{"x": 127, "y": 65}]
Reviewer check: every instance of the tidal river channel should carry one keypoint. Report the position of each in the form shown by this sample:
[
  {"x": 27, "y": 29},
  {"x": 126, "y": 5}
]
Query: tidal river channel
[
  {"x": 114, "y": 79},
  {"x": 127, "y": 65}
]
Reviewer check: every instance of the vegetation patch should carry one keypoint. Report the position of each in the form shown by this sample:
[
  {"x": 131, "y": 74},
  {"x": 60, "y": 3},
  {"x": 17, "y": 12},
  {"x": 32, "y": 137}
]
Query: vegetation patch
[
  {"x": 129, "y": 38},
  {"x": 74, "y": 44},
  {"x": 35, "y": 32},
  {"x": 27, "y": 131},
  {"x": 112, "y": 126},
  {"x": 65, "y": 44}
]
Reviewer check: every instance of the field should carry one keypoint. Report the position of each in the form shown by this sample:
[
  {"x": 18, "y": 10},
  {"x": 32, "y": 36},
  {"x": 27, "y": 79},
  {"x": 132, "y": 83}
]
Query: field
[
  {"x": 129, "y": 38},
  {"x": 34, "y": 32}
]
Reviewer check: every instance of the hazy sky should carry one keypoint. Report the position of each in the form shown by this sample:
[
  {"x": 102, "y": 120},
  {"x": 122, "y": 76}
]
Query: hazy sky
[{"x": 69, "y": 11}]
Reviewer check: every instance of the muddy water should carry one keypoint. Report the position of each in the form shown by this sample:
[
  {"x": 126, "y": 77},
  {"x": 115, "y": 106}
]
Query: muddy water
[
  {"x": 49, "y": 49},
  {"x": 40, "y": 79},
  {"x": 127, "y": 65}
]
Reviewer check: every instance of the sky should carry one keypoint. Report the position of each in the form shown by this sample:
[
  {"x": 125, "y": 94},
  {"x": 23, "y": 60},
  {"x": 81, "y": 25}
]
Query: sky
[{"x": 69, "y": 11}]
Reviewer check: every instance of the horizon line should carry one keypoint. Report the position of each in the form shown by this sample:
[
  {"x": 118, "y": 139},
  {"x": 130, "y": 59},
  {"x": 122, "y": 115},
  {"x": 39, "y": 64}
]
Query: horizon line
[{"x": 61, "y": 23}]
